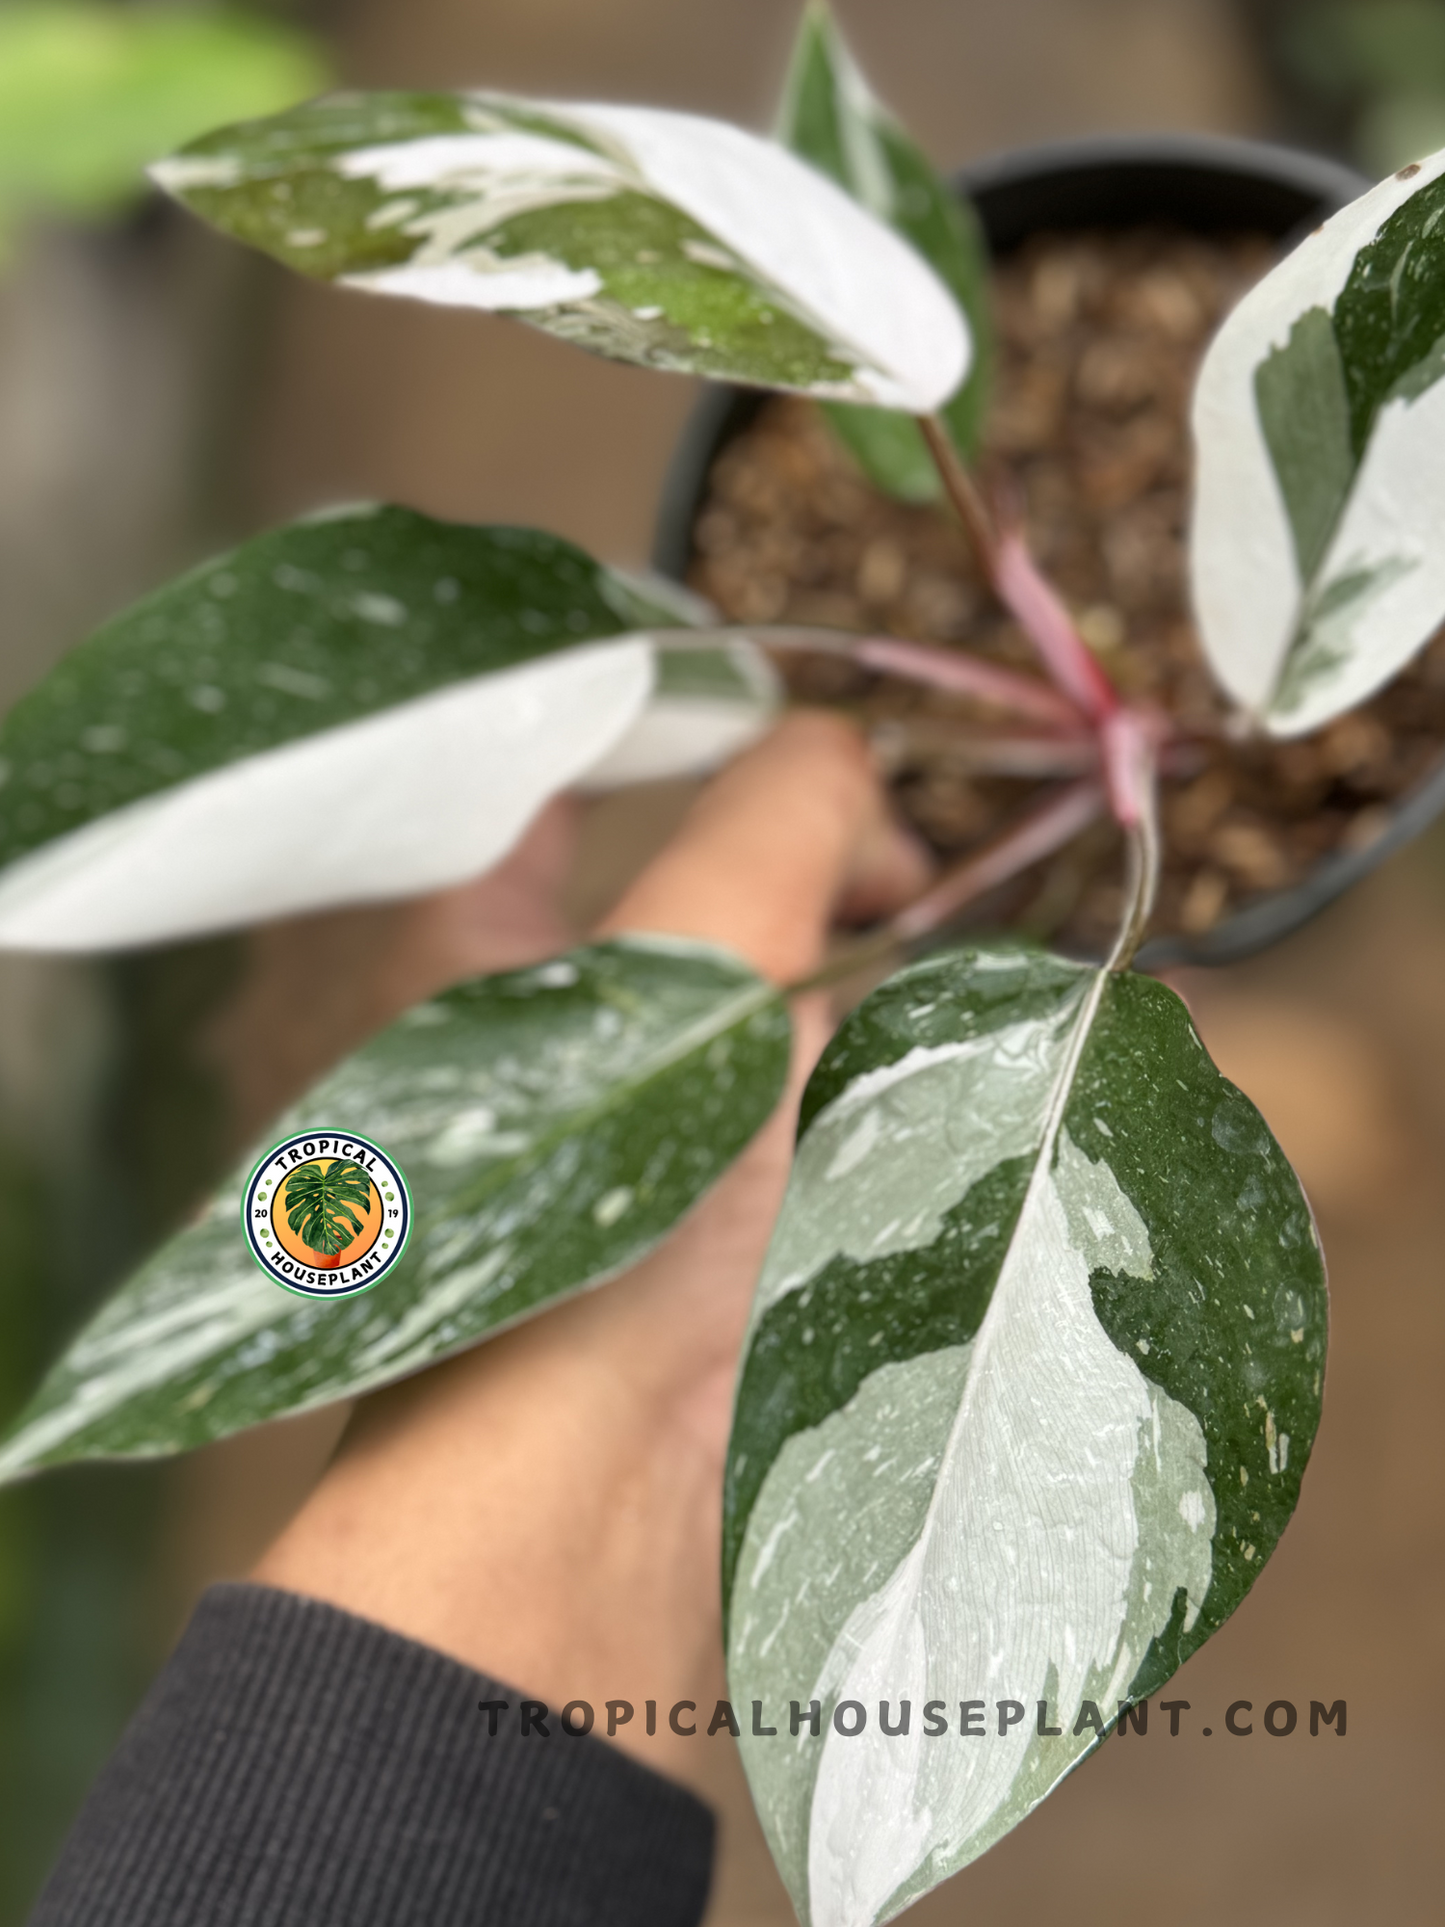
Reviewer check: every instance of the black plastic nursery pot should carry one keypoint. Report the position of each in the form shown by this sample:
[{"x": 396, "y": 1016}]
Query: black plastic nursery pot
[{"x": 1202, "y": 184}]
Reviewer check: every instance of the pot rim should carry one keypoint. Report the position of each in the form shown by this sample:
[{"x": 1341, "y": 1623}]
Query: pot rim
[
  {"x": 1329, "y": 182},
  {"x": 1130, "y": 169}
]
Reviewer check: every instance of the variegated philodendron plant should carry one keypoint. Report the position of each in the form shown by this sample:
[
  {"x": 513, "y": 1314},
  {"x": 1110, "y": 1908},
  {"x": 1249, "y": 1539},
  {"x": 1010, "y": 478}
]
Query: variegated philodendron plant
[{"x": 1035, "y": 1363}]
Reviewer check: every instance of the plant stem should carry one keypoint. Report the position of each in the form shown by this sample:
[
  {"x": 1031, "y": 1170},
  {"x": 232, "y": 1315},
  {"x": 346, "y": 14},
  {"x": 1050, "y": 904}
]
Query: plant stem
[
  {"x": 1020, "y": 585},
  {"x": 963, "y": 492},
  {"x": 900, "y": 739},
  {"x": 1043, "y": 830},
  {"x": 969, "y": 676},
  {"x": 919, "y": 662},
  {"x": 1046, "y": 828}
]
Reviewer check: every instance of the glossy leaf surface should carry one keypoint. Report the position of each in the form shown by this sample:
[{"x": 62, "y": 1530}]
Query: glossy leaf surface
[
  {"x": 653, "y": 237},
  {"x": 1033, "y": 1373},
  {"x": 1320, "y": 421},
  {"x": 552, "y": 1125},
  {"x": 831, "y": 118},
  {"x": 348, "y": 709}
]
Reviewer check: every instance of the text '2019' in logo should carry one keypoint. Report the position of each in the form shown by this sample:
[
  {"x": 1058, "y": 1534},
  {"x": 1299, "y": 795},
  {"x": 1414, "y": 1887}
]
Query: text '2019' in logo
[{"x": 326, "y": 1213}]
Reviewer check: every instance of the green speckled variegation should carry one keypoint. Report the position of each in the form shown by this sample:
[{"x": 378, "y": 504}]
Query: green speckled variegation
[
  {"x": 653, "y": 237},
  {"x": 552, "y": 1125},
  {"x": 1320, "y": 421},
  {"x": 832, "y": 119},
  {"x": 353, "y": 708},
  {"x": 1033, "y": 1373}
]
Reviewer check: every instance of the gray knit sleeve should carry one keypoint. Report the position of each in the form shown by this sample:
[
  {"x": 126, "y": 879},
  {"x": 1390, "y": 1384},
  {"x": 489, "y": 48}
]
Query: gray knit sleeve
[{"x": 294, "y": 1766}]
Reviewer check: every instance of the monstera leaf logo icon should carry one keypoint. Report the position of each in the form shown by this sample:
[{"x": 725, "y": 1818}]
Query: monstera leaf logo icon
[{"x": 322, "y": 1202}]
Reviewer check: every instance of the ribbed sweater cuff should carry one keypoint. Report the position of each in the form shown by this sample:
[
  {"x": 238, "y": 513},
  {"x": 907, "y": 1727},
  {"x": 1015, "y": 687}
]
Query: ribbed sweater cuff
[{"x": 294, "y": 1766}]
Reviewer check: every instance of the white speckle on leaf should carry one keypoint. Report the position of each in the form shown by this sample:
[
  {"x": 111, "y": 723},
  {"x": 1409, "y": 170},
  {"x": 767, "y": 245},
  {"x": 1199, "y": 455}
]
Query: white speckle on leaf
[
  {"x": 467, "y": 1136},
  {"x": 383, "y": 610},
  {"x": 103, "y": 739},
  {"x": 1193, "y": 1510},
  {"x": 307, "y": 237},
  {"x": 184, "y": 171},
  {"x": 294, "y": 682},
  {"x": 612, "y": 1205}
]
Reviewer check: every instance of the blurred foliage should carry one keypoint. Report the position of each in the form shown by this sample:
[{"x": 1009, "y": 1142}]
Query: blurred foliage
[
  {"x": 97, "y": 1166},
  {"x": 1364, "y": 76},
  {"x": 73, "y": 1554},
  {"x": 121, "y": 1155},
  {"x": 89, "y": 93}
]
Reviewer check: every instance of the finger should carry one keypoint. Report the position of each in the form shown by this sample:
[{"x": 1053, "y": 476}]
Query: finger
[{"x": 765, "y": 854}]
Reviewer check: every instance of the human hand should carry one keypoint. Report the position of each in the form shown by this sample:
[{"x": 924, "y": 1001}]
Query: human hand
[{"x": 547, "y": 1507}]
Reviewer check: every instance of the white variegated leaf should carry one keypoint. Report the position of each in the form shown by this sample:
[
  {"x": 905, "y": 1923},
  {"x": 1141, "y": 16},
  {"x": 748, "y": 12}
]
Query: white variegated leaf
[
  {"x": 361, "y": 707},
  {"x": 653, "y": 237},
  {"x": 1032, "y": 1375},
  {"x": 1320, "y": 423}
]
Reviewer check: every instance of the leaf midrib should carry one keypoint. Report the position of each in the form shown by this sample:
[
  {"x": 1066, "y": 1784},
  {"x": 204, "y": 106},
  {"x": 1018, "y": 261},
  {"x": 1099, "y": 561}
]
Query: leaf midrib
[{"x": 998, "y": 1301}]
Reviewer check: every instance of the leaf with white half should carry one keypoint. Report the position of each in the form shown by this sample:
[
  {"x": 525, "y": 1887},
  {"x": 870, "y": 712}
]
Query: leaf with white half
[
  {"x": 652, "y": 237},
  {"x": 1319, "y": 419},
  {"x": 359, "y": 707},
  {"x": 832, "y": 119},
  {"x": 552, "y": 1124},
  {"x": 1033, "y": 1373}
]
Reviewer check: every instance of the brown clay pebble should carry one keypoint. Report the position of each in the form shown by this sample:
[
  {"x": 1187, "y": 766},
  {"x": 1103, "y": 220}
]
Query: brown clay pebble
[{"x": 1099, "y": 339}]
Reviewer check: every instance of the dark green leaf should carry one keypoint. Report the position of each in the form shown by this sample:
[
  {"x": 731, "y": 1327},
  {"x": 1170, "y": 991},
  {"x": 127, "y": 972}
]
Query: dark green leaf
[{"x": 552, "y": 1125}]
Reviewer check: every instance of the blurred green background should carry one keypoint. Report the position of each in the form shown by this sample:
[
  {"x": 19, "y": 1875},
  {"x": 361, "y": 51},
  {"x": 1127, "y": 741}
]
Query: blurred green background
[{"x": 161, "y": 393}]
